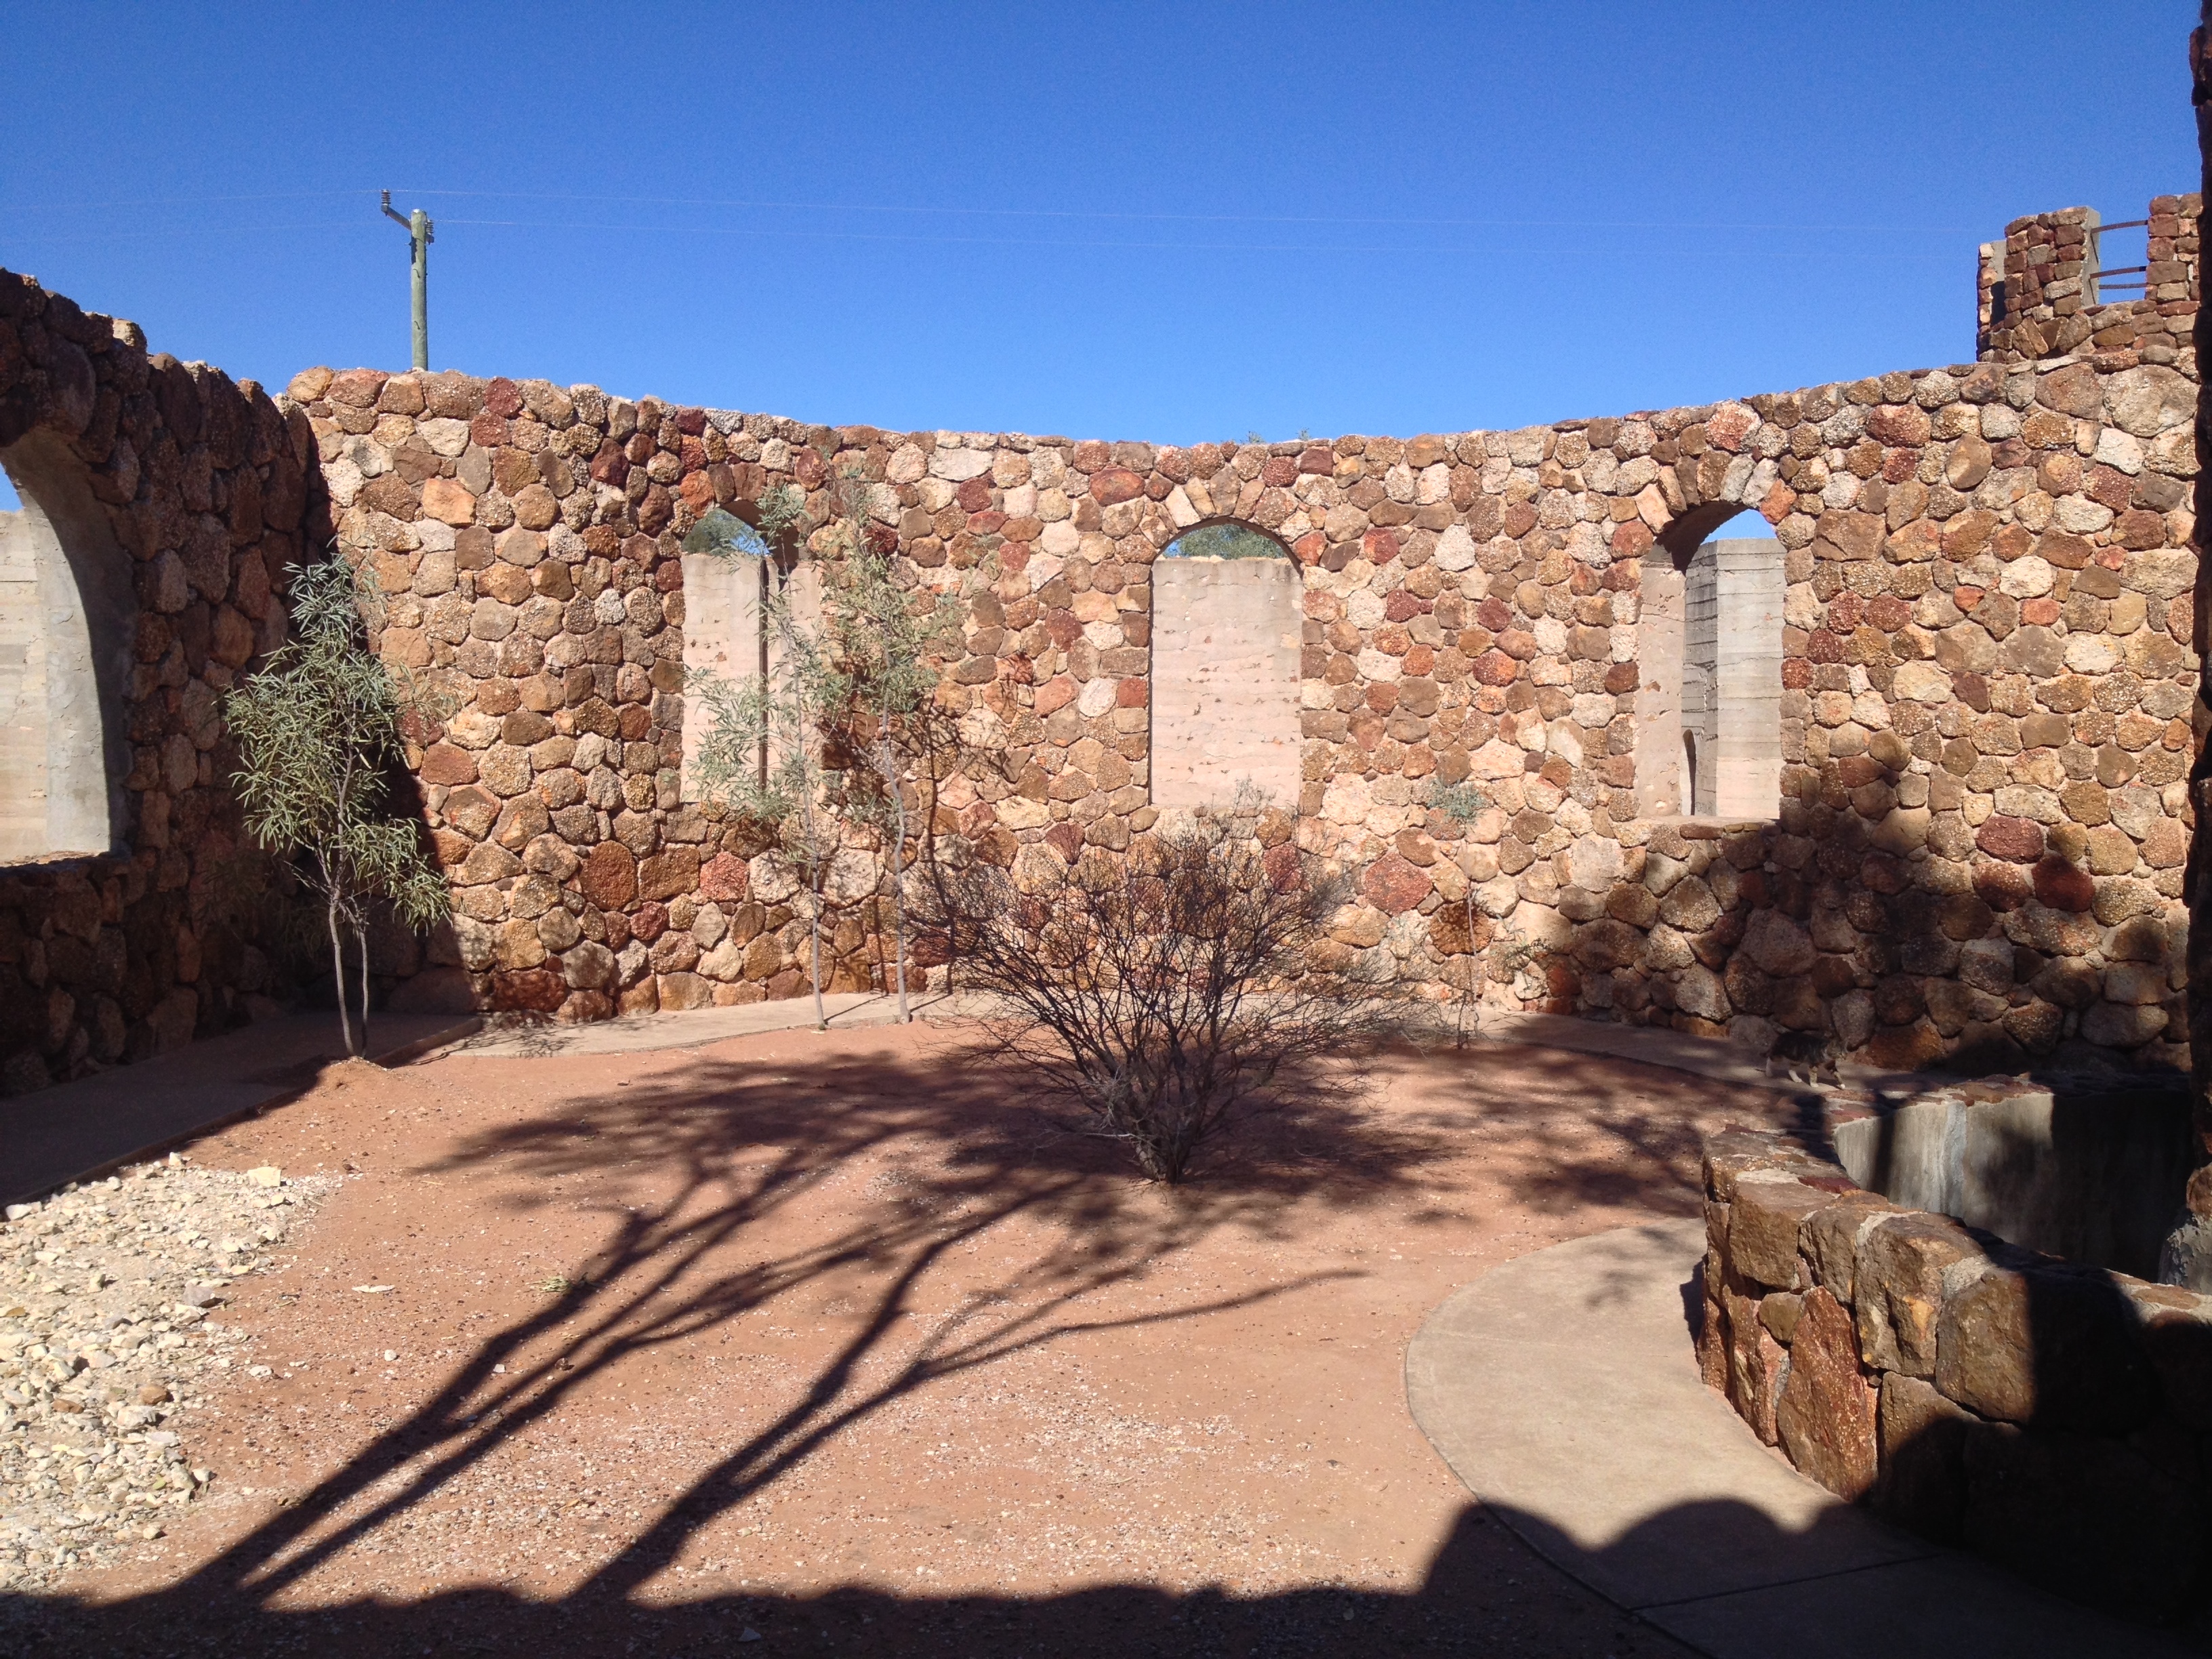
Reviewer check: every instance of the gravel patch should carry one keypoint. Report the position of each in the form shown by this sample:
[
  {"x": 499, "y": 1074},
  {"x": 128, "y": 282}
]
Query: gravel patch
[{"x": 110, "y": 1335}]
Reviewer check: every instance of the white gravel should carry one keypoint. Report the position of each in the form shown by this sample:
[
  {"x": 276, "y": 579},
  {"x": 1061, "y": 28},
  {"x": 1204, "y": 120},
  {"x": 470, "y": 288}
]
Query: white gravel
[{"x": 110, "y": 1330}]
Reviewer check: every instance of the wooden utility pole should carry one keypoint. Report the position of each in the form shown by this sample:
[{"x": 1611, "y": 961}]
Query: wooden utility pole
[
  {"x": 418, "y": 228},
  {"x": 2187, "y": 1258}
]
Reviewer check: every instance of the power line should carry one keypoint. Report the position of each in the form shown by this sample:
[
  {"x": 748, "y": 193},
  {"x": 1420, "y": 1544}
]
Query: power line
[
  {"x": 1182, "y": 247},
  {"x": 181, "y": 200},
  {"x": 1193, "y": 218},
  {"x": 926, "y": 209},
  {"x": 916, "y": 239}
]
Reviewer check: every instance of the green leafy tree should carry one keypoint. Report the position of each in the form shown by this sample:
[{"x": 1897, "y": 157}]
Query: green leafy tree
[
  {"x": 760, "y": 754},
  {"x": 879, "y": 635},
  {"x": 318, "y": 735}
]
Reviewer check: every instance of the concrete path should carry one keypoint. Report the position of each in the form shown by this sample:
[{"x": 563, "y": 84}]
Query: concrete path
[
  {"x": 74, "y": 1131},
  {"x": 1562, "y": 1389}
]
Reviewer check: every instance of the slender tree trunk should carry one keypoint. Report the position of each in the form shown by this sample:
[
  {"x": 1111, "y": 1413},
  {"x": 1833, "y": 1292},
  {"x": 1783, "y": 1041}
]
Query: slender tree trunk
[
  {"x": 1476, "y": 961},
  {"x": 898, "y": 893},
  {"x": 2187, "y": 1257},
  {"x": 337, "y": 968},
  {"x": 361, "y": 940},
  {"x": 814, "y": 944}
]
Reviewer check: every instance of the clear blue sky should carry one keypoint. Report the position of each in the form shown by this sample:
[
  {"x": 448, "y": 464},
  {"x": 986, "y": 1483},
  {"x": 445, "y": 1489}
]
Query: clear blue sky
[{"x": 1177, "y": 221}]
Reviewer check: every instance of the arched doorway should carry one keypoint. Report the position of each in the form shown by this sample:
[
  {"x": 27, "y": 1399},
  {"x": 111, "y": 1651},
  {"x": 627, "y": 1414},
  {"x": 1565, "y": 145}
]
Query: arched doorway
[
  {"x": 67, "y": 609},
  {"x": 1709, "y": 640},
  {"x": 1227, "y": 626}
]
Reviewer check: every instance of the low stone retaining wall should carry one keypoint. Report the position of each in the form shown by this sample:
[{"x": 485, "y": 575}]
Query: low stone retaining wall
[{"x": 2050, "y": 1415}]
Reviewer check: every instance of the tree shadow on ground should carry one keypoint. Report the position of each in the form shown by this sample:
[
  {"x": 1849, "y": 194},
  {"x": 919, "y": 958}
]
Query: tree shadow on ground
[
  {"x": 1597, "y": 1130},
  {"x": 686, "y": 1171},
  {"x": 1484, "y": 1592}
]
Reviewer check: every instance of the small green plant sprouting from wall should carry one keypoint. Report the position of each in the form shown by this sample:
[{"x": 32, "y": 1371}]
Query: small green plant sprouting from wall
[{"x": 318, "y": 735}]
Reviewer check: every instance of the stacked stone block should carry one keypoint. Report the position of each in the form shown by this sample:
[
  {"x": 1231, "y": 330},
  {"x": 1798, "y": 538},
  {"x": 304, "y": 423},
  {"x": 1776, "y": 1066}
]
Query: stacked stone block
[
  {"x": 2050, "y": 1415},
  {"x": 203, "y": 483},
  {"x": 1987, "y": 667},
  {"x": 1986, "y": 674},
  {"x": 2034, "y": 289}
]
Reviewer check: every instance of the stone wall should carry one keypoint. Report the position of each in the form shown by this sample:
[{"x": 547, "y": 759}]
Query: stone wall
[
  {"x": 2051, "y": 1415},
  {"x": 1985, "y": 678},
  {"x": 2035, "y": 291},
  {"x": 162, "y": 503},
  {"x": 1985, "y": 662}
]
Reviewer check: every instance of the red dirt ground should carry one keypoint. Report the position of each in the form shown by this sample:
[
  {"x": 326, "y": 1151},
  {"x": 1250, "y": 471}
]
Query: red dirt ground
[{"x": 829, "y": 1338}]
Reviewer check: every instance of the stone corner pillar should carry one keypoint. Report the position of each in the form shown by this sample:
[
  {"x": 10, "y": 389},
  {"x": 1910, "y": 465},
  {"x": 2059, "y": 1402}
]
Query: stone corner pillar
[{"x": 2187, "y": 1257}]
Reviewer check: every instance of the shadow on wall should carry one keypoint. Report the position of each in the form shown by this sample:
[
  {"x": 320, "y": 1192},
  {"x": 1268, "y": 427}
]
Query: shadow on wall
[{"x": 1824, "y": 936}]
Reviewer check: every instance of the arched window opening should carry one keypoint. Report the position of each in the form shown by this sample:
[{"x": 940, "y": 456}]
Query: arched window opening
[
  {"x": 729, "y": 575},
  {"x": 67, "y": 614},
  {"x": 1709, "y": 710},
  {"x": 1227, "y": 631}
]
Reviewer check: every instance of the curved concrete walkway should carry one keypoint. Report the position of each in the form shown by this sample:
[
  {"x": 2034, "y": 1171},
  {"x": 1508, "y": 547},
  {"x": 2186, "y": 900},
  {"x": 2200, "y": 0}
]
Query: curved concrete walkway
[{"x": 1562, "y": 1389}]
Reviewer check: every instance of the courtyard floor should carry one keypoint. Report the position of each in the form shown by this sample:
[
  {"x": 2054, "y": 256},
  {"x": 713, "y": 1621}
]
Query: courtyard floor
[{"x": 830, "y": 1339}]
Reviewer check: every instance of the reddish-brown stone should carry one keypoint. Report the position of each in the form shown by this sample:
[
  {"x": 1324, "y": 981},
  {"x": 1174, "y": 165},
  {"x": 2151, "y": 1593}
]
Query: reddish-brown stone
[
  {"x": 533, "y": 990},
  {"x": 2049, "y": 1343},
  {"x": 609, "y": 876},
  {"x": 1756, "y": 1364},
  {"x": 1897, "y": 1287},
  {"x": 1394, "y": 885},
  {"x": 1826, "y": 1420},
  {"x": 503, "y": 398},
  {"x": 1118, "y": 483},
  {"x": 1768, "y": 1209},
  {"x": 1495, "y": 668},
  {"x": 670, "y": 873},
  {"x": 2064, "y": 886},
  {"x": 726, "y": 879},
  {"x": 357, "y": 388},
  {"x": 2017, "y": 840},
  {"x": 444, "y": 763}
]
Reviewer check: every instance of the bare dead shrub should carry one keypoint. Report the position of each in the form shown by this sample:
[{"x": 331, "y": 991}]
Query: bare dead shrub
[{"x": 1159, "y": 996}]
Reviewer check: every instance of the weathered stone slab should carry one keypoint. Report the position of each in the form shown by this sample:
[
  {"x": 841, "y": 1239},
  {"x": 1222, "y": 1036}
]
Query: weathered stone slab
[
  {"x": 2175, "y": 1331},
  {"x": 2091, "y": 1519},
  {"x": 1828, "y": 1239},
  {"x": 1898, "y": 1285},
  {"x": 1924, "y": 1450},
  {"x": 1826, "y": 1420},
  {"x": 1769, "y": 1207},
  {"x": 2046, "y": 1342},
  {"x": 1757, "y": 1365}
]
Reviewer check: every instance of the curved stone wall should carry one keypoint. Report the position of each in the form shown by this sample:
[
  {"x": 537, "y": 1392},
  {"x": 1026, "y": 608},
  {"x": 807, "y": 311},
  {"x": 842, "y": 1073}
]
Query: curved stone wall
[
  {"x": 2050, "y": 1415},
  {"x": 1986, "y": 671},
  {"x": 1986, "y": 659}
]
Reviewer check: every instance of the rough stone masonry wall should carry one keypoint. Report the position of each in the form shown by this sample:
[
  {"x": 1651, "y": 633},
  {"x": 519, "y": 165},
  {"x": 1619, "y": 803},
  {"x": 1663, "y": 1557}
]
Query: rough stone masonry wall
[
  {"x": 1987, "y": 673},
  {"x": 179, "y": 495},
  {"x": 2033, "y": 290},
  {"x": 2055, "y": 1417}
]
